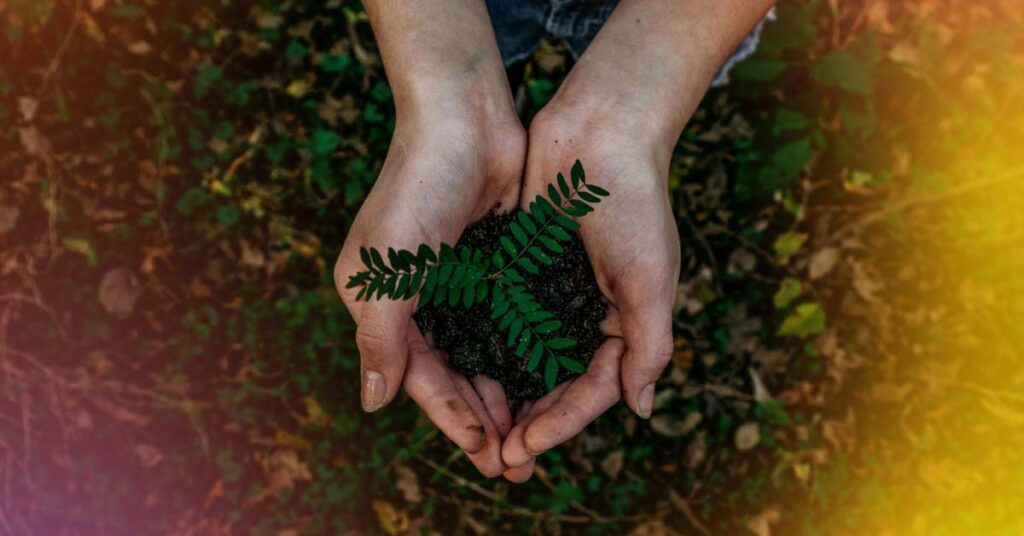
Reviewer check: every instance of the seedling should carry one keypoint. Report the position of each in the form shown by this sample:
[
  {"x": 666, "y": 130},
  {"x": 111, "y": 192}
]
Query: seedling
[{"x": 467, "y": 276}]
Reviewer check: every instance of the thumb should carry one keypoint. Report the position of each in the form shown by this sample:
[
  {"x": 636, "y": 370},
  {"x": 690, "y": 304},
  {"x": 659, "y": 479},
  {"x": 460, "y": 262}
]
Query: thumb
[
  {"x": 647, "y": 330},
  {"x": 381, "y": 338}
]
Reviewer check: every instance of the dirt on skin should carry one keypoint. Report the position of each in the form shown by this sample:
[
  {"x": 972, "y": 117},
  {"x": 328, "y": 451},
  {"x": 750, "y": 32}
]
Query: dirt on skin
[{"x": 472, "y": 341}]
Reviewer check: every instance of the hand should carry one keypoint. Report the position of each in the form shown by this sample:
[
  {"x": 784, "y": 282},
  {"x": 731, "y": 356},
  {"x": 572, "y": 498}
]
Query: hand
[
  {"x": 441, "y": 173},
  {"x": 633, "y": 245}
]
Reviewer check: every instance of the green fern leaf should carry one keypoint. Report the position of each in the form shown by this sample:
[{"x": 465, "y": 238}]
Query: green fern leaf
[
  {"x": 571, "y": 364},
  {"x": 378, "y": 261},
  {"x": 577, "y": 173},
  {"x": 535, "y": 355},
  {"x": 527, "y": 222},
  {"x": 524, "y": 342},
  {"x": 403, "y": 286},
  {"x": 540, "y": 255},
  {"x": 518, "y": 233},
  {"x": 563, "y": 187},
  {"x": 425, "y": 253},
  {"x": 547, "y": 327},
  {"x": 439, "y": 295},
  {"x": 551, "y": 372},
  {"x": 537, "y": 316},
  {"x": 566, "y": 223},
  {"x": 528, "y": 265},
  {"x": 446, "y": 273},
  {"x": 561, "y": 343},
  {"x": 553, "y": 247},
  {"x": 357, "y": 279},
  {"x": 506, "y": 320},
  {"x": 508, "y": 245},
  {"x": 454, "y": 293},
  {"x": 513, "y": 332},
  {"x": 558, "y": 233},
  {"x": 556, "y": 199}
]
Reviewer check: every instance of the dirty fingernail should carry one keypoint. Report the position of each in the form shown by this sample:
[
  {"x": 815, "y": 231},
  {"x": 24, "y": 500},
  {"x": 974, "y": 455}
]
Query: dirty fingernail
[
  {"x": 645, "y": 401},
  {"x": 374, "y": 391}
]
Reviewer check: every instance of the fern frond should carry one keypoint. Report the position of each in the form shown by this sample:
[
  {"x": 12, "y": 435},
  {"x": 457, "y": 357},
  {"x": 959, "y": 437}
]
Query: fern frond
[
  {"x": 546, "y": 222},
  {"x": 435, "y": 276},
  {"x": 529, "y": 328}
]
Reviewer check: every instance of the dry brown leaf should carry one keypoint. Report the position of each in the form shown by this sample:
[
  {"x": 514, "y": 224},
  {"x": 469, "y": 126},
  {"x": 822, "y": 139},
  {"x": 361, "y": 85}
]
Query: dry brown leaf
[
  {"x": 748, "y": 435},
  {"x": 669, "y": 426},
  {"x": 823, "y": 261},
  {"x": 613, "y": 462},
  {"x": 140, "y": 48},
  {"x": 284, "y": 468},
  {"x": 118, "y": 291},
  {"x": 408, "y": 483}
]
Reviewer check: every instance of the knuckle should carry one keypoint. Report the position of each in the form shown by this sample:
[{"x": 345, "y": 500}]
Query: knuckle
[{"x": 371, "y": 338}]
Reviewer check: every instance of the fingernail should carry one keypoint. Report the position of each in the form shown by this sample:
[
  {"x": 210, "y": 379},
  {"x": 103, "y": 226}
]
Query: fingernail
[
  {"x": 645, "y": 401},
  {"x": 374, "y": 390}
]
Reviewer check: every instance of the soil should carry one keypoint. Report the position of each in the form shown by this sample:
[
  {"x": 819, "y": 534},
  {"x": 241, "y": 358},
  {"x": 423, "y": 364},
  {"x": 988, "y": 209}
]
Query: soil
[{"x": 472, "y": 341}]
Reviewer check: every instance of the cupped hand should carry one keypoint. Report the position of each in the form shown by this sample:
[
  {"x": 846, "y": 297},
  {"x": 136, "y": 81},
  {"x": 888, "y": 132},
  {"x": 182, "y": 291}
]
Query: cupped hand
[
  {"x": 441, "y": 173},
  {"x": 633, "y": 245}
]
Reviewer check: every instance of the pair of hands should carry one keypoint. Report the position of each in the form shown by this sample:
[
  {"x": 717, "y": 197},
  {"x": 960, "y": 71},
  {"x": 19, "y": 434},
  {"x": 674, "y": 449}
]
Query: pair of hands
[{"x": 452, "y": 163}]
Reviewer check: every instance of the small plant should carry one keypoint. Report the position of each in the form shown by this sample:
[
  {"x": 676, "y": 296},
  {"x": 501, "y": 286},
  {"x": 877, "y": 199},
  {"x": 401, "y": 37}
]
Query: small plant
[{"x": 466, "y": 277}]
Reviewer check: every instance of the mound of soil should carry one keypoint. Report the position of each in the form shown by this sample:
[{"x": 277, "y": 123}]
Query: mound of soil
[{"x": 474, "y": 344}]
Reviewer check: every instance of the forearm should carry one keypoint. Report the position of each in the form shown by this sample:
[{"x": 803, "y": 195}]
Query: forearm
[
  {"x": 653, "y": 60},
  {"x": 439, "y": 51}
]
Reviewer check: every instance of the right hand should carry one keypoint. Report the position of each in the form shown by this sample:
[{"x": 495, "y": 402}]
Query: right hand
[{"x": 444, "y": 170}]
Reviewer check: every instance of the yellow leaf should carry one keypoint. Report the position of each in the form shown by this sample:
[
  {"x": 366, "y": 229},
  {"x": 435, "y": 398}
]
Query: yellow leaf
[
  {"x": 298, "y": 88},
  {"x": 391, "y": 519}
]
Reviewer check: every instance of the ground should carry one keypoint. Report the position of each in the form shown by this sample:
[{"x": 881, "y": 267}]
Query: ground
[{"x": 175, "y": 360}]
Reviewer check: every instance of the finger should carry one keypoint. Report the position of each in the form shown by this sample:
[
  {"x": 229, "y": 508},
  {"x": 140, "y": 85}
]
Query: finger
[
  {"x": 381, "y": 336},
  {"x": 488, "y": 459},
  {"x": 428, "y": 383},
  {"x": 587, "y": 397},
  {"x": 513, "y": 450},
  {"x": 520, "y": 474},
  {"x": 493, "y": 397},
  {"x": 647, "y": 330}
]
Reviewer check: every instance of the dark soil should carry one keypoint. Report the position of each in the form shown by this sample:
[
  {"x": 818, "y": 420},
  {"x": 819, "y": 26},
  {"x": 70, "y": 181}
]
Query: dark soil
[{"x": 474, "y": 344}]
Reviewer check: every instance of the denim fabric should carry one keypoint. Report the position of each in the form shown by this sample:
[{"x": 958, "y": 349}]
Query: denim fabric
[{"x": 520, "y": 26}]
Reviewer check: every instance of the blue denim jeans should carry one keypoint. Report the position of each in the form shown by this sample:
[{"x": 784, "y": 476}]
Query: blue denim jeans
[{"x": 520, "y": 26}]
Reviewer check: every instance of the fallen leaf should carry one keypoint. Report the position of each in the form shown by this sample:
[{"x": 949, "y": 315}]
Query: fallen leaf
[
  {"x": 761, "y": 394},
  {"x": 807, "y": 320},
  {"x": 408, "y": 483},
  {"x": 119, "y": 289},
  {"x": 612, "y": 463},
  {"x": 748, "y": 435},
  {"x": 823, "y": 261},
  {"x": 391, "y": 519},
  {"x": 669, "y": 426},
  {"x": 140, "y": 48}
]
